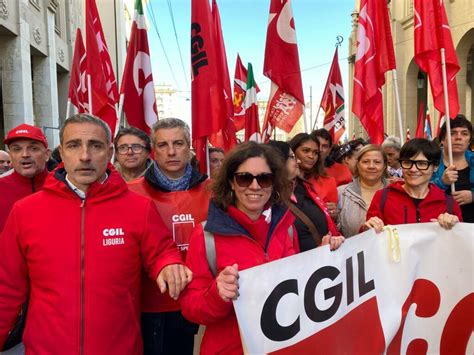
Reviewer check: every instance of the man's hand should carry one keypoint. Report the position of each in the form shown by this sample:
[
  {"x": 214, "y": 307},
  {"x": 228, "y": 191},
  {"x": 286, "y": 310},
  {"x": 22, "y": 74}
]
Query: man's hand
[
  {"x": 450, "y": 175},
  {"x": 228, "y": 283},
  {"x": 462, "y": 197},
  {"x": 174, "y": 277}
]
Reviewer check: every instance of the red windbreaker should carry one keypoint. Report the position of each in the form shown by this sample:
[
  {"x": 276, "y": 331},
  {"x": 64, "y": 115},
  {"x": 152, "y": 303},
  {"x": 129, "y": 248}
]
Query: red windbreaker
[
  {"x": 14, "y": 187},
  {"x": 200, "y": 301},
  {"x": 80, "y": 263},
  {"x": 400, "y": 208}
]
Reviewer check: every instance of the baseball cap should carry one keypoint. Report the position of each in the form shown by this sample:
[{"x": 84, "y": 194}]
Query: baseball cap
[{"x": 26, "y": 131}]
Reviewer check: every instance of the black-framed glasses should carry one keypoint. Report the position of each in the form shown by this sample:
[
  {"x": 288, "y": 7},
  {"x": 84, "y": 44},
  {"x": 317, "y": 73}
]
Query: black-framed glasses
[
  {"x": 245, "y": 179},
  {"x": 136, "y": 148},
  {"x": 420, "y": 164}
]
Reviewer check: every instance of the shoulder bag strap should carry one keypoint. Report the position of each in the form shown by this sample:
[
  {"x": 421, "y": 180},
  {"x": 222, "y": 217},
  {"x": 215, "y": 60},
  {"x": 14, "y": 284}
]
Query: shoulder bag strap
[{"x": 306, "y": 220}]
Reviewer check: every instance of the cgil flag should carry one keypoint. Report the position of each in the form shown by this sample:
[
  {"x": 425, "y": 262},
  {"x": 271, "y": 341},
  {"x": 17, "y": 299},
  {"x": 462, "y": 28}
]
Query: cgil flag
[
  {"x": 207, "y": 94},
  {"x": 432, "y": 33},
  {"x": 374, "y": 57},
  {"x": 252, "y": 124},
  {"x": 282, "y": 67},
  {"x": 101, "y": 78},
  {"x": 139, "y": 102},
  {"x": 77, "y": 93},
  {"x": 225, "y": 138},
  {"x": 332, "y": 101}
]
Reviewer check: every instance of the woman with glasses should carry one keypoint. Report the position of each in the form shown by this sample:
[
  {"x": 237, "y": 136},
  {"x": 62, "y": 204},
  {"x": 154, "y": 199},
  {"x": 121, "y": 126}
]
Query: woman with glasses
[
  {"x": 248, "y": 224},
  {"x": 414, "y": 199},
  {"x": 313, "y": 223},
  {"x": 306, "y": 149},
  {"x": 356, "y": 197}
]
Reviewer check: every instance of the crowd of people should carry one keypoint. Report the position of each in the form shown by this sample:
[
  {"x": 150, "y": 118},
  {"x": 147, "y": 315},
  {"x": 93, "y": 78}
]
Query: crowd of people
[{"x": 133, "y": 257}]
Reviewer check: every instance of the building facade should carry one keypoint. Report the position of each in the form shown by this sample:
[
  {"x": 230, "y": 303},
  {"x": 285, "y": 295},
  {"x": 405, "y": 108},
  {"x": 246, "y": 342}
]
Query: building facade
[
  {"x": 413, "y": 85},
  {"x": 36, "y": 47}
]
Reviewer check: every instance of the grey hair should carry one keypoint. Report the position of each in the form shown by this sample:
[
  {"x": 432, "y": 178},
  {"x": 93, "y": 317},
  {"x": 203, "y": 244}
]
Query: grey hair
[
  {"x": 392, "y": 142},
  {"x": 86, "y": 118},
  {"x": 171, "y": 122}
]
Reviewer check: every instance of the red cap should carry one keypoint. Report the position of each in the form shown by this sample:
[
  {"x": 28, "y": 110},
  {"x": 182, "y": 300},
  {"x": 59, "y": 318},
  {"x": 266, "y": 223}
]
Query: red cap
[{"x": 26, "y": 131}]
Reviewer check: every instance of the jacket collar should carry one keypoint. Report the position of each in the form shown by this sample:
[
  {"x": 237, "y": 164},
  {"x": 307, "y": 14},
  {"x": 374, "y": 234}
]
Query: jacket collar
[{"x": 150, "y": 177}]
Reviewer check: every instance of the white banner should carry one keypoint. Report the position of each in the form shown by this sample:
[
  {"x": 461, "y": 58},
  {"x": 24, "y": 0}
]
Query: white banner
[{"x": 358, "y": 300}]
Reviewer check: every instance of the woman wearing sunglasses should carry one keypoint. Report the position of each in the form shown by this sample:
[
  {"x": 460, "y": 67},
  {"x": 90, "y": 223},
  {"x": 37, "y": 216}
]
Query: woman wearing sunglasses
[
  {"x": 306, "y": 149},
  {"x": 313, "y": 223},
  {"x": 414, "y": 199},
  {"x": 249, "y": 225}
]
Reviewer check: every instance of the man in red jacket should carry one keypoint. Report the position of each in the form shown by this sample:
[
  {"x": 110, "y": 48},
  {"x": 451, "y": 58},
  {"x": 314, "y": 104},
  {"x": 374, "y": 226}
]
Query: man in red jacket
[
  {"x": 29, "y": 153},
  {"x": 77, "y": 247},
  {"x": 182, "y": 199}
]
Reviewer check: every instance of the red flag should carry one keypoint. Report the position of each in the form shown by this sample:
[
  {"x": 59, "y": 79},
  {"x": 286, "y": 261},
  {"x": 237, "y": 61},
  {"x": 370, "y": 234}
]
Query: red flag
[
  {"x": 240, "y": 86},
  {"x": 207, "y": 95},
  {"x": 225, "y": 138},
  {"x": 432, "y": 33},
  {"x": 100, "y": 69},
  {"x": 139, "y": 102},
  {"x": 374, "y": 57},
  {"x": 78, "y": 84},
  {"x": 252, "y": 124},
  {"x": 420, "y": 127},
  {"x": 282, "y": 67},
  {"x": 441, "y": 122},
  {"x": 332, "y": 101}
]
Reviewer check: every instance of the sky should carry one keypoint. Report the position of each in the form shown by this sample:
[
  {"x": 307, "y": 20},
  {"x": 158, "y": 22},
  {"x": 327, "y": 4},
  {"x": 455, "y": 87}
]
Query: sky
[{"x": 244, "y": 27}]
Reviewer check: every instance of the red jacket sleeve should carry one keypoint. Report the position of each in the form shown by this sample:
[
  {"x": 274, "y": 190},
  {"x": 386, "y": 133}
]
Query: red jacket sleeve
[
  {"x": 200, "y": 301},
  {"x": 374, "y": 208},
  {"x": 157, "y": 246},
  {"x": 14, "y": 286}
]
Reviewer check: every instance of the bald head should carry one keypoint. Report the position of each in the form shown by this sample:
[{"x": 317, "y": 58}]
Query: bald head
[{"x": 5, "y": 163}]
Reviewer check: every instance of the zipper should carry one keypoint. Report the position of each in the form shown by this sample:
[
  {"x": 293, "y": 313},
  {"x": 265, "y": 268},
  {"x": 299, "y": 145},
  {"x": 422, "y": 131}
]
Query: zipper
[{"x": 82, "y": 307}]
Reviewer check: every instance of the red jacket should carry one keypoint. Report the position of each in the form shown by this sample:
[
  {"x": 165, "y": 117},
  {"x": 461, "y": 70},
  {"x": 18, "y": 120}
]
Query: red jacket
[
  {"x": 326, "y": 188},
  {"x": 80, "y": 262},
  {"x": 200, "y": 302},
  {"x": 341, "y": 173},
  {"x": 180, "y": 211},
  {"x": 400, "y": 208},
  {"x": 14, "y": 187}
]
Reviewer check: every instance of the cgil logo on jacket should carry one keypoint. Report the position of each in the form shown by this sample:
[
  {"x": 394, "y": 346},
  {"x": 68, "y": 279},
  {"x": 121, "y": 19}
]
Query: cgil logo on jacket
[{"x": 113, "y": 236}]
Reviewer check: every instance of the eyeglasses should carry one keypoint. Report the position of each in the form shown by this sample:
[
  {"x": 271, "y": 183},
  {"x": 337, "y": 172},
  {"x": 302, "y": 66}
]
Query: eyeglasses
[
  {"x": 420, "y": 164},
  {"x": 246, "y": 179},
  {"x": 124, "y": 148}
]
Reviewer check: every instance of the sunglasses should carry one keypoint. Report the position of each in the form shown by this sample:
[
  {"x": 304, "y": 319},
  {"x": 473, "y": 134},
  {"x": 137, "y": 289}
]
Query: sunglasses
[{"x": 246, "y": 179}]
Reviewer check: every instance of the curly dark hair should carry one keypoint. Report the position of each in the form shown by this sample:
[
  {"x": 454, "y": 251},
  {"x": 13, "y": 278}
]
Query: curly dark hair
[
  {"x": 221, "y": 187},
  {"x": 318, "y": 168}
]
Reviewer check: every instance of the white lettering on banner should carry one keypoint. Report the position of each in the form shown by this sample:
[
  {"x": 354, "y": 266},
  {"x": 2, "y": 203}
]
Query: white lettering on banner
[{"x": 422, "y": 304}]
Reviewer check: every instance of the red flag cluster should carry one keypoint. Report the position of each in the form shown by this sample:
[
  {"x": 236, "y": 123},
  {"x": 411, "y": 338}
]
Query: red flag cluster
[{"x": 93, "y": 87}]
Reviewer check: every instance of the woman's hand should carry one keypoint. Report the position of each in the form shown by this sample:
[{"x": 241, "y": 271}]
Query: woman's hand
[
  {"x": 450, "y": 175},
  {"x": 446, "y": 220},
  {"x": 333, "y": 241},
  {"x": 228, "y": 283},
  {"x": 376, "y": 223}
]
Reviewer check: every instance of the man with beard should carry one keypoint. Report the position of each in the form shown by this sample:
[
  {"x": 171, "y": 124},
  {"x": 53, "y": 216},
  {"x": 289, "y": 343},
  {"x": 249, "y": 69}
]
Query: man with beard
[{"x": 29, "y": 153}]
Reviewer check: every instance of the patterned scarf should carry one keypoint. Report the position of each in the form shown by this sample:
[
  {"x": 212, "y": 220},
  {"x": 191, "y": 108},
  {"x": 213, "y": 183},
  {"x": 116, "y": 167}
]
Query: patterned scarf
[{"x": 179, "y": 184}]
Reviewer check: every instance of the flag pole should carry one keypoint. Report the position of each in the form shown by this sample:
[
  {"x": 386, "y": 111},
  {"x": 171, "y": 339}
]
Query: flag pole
[
  {"x": 397, "y": 103},
  {"x": 68, "y": 108},
  {"x": 316, "y": 118},
  {"x": 446, "y": 109},
  {"x": 119, "y": 112},
  {"x": 304, "y": 120},
  {"x": 208, "y": 165},
  {"x": 89, "y": 92}
]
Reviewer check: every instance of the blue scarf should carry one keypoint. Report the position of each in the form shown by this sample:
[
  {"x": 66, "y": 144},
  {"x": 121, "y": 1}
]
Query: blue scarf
[{"x": 179, "y": 184}]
